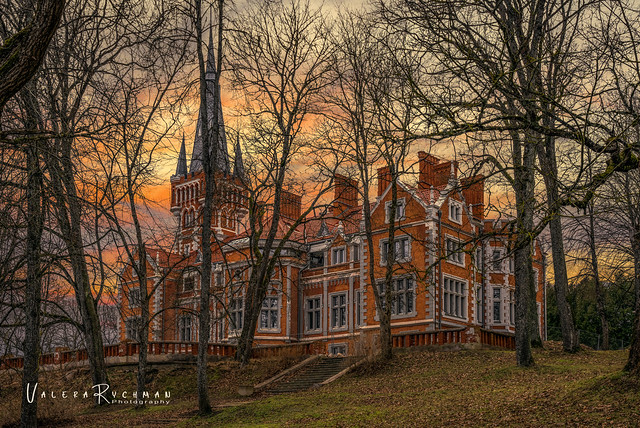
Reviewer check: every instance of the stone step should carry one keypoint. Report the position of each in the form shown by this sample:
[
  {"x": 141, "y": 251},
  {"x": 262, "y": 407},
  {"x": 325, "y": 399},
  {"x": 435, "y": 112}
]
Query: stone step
[{"x": 314, "y": 374}]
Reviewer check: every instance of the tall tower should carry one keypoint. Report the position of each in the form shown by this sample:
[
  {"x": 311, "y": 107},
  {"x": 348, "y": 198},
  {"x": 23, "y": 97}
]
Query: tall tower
[{"x": 188, "y": 188}]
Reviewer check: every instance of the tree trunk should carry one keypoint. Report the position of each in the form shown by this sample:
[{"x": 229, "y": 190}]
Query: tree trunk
[
  {"x": 524, "y": 159},
  {"x": 633, "y": 363},
  {"x": 70, "y": 222},
  {"x": 600, "y": 300},
  {"x": 547, "y": 159},
  {"x": 32, "y": 295}
]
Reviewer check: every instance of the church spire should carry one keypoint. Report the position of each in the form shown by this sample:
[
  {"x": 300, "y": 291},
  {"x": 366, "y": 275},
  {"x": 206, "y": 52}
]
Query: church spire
[
  {"x": 181, "y": 169},
  {"x": 238, "y": 166},
  {"x": 212, "y": 97}
]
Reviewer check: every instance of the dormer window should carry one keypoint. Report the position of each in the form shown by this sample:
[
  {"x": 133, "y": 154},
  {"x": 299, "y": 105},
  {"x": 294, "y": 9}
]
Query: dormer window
[
  {"x": 400, "y": 210},
  {"x": 316, "y": 259},
  {"x": 338, "y": 255},
  {"x": 455, "y": 211}
]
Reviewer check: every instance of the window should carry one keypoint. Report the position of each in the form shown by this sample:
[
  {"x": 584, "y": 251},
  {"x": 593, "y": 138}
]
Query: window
[
  {"x": 512, "y": 311},
  {"x": 236, "y": 311},
  {"x": 219, "y": 279},
  {"x": 400, "y": 210},
  {"x": 358, "y": 308},
  {"x": 479, "y": 258},
  {"x": 455, "y": 297},
  {"x": 189, "y": 283},
  {"x": 313, "y": 313},
  {"x": 132, "y": 328},
  {"x": 511, "y": 265},
  {"x": 455, "y": 251},
  {"x": 135, "y": 300},
  {"x": 402, "y": 250},
  {"x": 187, "y": 249},
  {"x": 270, "y": 313},
  {"x": 184, "y": 328},
  {"x": 497, "y": 310},
  {"x": 496, "y": 262},
  {"x": 455, "y": 211},
  {"x": 340, "y": 349},
  {"x": 402, "y": 300},
  {"x": 316, "y": 259},
  {"x": 338, "y": 311},
  {"x": 337, "y": 255},
  {"x": 355, "y": 252},
  {"x": 536, "y": 282}
]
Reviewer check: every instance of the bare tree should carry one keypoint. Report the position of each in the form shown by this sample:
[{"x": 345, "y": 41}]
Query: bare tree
[{"x": 24, "y": 47}]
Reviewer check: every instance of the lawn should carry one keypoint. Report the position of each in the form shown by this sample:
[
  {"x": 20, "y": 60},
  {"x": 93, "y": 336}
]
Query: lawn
[
  {"x": 467, "y": 388},
  {"x": 419, "y": 388}
]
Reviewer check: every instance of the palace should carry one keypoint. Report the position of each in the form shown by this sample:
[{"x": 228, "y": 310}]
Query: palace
[{"x": 448, "y": 273}]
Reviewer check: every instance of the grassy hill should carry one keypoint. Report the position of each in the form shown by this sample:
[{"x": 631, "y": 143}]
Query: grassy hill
[{"x": 420, "y": 388}]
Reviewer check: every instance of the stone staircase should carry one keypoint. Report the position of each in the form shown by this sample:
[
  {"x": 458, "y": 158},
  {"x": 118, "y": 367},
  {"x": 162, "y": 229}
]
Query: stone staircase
[{"x": 313, "y": 374}]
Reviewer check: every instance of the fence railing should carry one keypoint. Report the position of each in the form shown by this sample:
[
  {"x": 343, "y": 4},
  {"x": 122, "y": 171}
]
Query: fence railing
[
  {"x": 499, "y": 339},
  {"x": 128, "y": 349},
  {"x": 436, "y": 337}
]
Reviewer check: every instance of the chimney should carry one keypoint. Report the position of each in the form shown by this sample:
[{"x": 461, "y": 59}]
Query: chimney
[
  {"x": 426, "y": 165},
  {"x": 346, "y": 194},
  {"x": 443, "y": 171},
  {"x": 473, "y": 192},
  {"x": 384, "y": 179},
  {"x": 290, "y": 205}
]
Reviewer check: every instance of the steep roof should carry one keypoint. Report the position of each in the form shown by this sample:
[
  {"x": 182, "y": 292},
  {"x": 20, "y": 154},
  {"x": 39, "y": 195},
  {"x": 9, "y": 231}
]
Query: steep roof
[{"x": 212, "y": 104}]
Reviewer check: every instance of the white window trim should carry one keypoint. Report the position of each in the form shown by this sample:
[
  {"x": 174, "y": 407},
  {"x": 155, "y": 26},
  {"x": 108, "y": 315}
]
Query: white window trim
[
  {"x": 306, "y": 311},
  {"x": 411, "y": 314},
  {"x": 346, "y": 306},
  {"x": 453, "y": 202},
  {"x": 233, "y": 331},
  {"x": 387, "y": 205},
  {"x": 448, "y": 237},
  {"x": 466, "y": 295},
  {"x": 501, "y": 258},
  {"x": 277, "y": 329},
  {"x": 344, "y": 255},
  {"x": 503, "y": 320},
  {"x": 383, "y": 260}
]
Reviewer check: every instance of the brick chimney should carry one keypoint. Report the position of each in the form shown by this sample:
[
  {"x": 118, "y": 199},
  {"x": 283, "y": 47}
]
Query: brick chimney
[
  {"x": 346, "y": 194},
  {"x": 442, "y": 172},
  {"x": 426, "y": 164},
  {"x": 290, "y": 205},
  {"x": 384, "y": 179},
  {"x": 473, "y": 191}
]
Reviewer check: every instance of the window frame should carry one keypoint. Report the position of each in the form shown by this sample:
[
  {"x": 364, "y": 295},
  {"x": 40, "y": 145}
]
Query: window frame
[
  {"x": 458, "y": 210},
  {"x": 384, "y": 243},
  {"x": 341, "y": 306},
  {"x": 316, "y": 312},
  {"x": 342, "y": 250},
  {"x": 496, "y": 300},
  {"x": 136, "y": 320},
  {"x": 396, "y": 296},
  {"x": 182, "y": 326},
  {"x": 270, "y": 310},
  {"x": 449, "y": 293},
  {"x": 402, "y": 202},
  {"x": 459, "y": 252},
  {"x": 135, "y": 302}
]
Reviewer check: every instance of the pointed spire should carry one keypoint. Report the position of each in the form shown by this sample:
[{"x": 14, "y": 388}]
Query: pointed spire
[
  {"x": 221, "y": 162},
  {"x": 238, "y": 166},
  {"x": 181, "y": 169}
]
